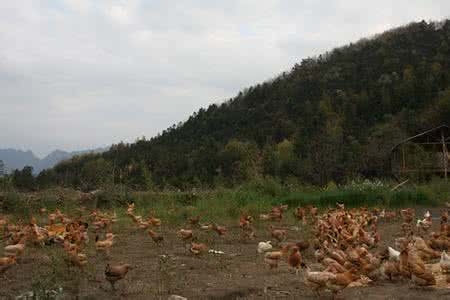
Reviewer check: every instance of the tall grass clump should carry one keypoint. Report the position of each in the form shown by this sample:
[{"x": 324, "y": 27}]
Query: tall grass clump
[
  {"x": 404, "y": 198},
  {"x": 219, "y": 204},
  {"x": 15, "y": 203},
  {"x": 438, "y": 190}
]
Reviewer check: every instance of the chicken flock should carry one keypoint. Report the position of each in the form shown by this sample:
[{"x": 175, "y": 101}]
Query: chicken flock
[{"x": 345, "y": 243}]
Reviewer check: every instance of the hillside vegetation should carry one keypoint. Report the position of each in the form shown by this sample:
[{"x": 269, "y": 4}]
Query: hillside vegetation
[{"x": 330, "y": 118}]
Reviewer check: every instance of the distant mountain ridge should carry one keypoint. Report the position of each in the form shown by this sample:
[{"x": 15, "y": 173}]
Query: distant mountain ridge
[{"x": 17, "y": 159}]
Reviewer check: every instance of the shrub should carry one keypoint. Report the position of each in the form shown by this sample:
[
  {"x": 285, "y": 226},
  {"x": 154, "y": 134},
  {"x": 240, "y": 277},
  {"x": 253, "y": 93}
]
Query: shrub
[
  {"x": 15, "y": 203},
  {"x": 113, "y": 196},
  {"x": 265, "y": 186}
]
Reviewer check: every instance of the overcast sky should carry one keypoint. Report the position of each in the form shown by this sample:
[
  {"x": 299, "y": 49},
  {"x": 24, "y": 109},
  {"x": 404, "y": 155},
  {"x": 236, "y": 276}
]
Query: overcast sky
[{"x": 78, "y": 74}]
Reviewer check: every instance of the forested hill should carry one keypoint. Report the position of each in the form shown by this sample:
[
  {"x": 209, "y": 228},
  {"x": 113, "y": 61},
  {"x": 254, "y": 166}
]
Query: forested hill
[{"x": 331, "y": 117}]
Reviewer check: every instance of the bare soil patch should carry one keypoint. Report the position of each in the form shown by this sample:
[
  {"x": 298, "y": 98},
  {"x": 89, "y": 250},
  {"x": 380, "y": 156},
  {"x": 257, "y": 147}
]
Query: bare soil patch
[{"x": 160, "y": 271}]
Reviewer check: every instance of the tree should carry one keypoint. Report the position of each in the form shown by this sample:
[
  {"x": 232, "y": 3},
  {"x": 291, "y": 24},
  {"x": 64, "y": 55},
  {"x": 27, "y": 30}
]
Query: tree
[
  {"x": 96, "y": 172},
  {"x": 139, "y": 176},
  {"x": 46, "y": 178},
  {"x": 377, "y": 151},
  {"x": 286, "y": 159},
  {"x": 240, "y": 161},
  {"x": 24, "y": 179}
]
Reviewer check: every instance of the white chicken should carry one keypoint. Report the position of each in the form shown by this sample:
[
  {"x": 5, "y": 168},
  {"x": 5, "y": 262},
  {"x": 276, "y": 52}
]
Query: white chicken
[
  {"x": 393, "y": 254},
  {"x": 445, "y": 262},
  {"x": 264, "y": 246},
  {"x": 425, "y": 224}
]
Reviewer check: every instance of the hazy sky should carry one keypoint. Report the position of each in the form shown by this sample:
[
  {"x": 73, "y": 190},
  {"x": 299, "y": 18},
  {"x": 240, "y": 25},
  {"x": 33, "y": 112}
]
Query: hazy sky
[{"x": 78, "y": 74}]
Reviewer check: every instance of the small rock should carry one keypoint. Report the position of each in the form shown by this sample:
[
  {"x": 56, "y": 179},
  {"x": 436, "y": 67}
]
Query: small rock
[{"x": 46, "y": 260}]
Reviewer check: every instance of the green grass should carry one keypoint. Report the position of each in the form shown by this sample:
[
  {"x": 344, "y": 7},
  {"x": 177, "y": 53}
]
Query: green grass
[{"x": 254, "y": 198}]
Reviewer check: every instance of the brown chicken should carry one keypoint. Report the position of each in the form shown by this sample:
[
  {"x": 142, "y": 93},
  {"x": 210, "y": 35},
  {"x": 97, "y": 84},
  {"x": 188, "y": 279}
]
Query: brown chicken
[
  {"x": 444, "y": 217},
  {"x": 422, "y": 276},
  {"x": 438, "y": 242},
  {"x": 333, "y": 266},
  {"x": 115, "y": 273},
  {"x": 341, "y": 281},
  {"x": 313, "y": 211},
  {"x": 295, "y": 259},
  {"x": 105, "y": 245},
  {"x": 78, "y": 259},
  {"x": 194, "y": 220},
  {"x": 273, "y": 258},
  {"x": 404, "y": 265},
  {"x": 185, "y": 234},
  {"x": 17, "y": 249},
  {"x": 157, "y": 238},
  {"x": 278, "y": 234},
  {"x": 408, "y": 215},
  {"x": 154, "y": 221},
  {"x": 390, "y": 269},
  {"x": 425, "y": 251},
  {"x": 300, "y": 213},
  {"x": 198, "y": 248},
  {"x": 316, "y": 280},
  {"x": 302, "y": 245},
  {"x": 221, "y": 230},
  {"x": 245, "y": 221},
  {"x": 8, "y": 260}
]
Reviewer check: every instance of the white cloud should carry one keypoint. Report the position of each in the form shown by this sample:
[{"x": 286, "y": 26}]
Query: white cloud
[
  {"x": 80, "y": 6},
  {"x": 83, "y": 73},
  {"x": 121, "y": 13}
]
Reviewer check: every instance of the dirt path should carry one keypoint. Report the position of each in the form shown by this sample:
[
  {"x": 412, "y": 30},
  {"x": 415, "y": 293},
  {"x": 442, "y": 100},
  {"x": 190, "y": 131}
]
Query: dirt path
[{"x": 170, "y": 269}]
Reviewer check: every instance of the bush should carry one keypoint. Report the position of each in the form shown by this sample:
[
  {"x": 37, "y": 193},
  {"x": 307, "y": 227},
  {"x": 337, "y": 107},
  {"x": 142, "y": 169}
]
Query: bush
[
  {"x": 113, "y": 196},
  {"x": 15, "y": 203},
  {"x": 6, "y": 184},
  {"x": 265, "y": 186}
]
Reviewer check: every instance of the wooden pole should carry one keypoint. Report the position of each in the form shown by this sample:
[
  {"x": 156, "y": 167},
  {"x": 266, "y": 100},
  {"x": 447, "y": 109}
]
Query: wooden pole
[
  {"x": 399, "y": 185},
  {"x": 444, "y": 155},
  {"x": 403, "y": 159}
]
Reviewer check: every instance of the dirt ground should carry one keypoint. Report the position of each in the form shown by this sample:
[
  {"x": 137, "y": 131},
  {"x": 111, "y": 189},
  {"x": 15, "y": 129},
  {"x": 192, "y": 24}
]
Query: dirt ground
[{"x": 161, "y": 271}]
